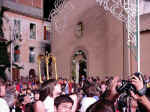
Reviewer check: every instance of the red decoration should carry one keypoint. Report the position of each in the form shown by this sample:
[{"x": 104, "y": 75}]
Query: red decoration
[{"x": 17, "y": 52}]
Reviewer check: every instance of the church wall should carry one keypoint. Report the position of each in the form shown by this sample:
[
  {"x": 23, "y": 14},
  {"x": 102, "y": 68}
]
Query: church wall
[
  {"x": 102, "y": 40},
  {"x": 145, "y": 55}
]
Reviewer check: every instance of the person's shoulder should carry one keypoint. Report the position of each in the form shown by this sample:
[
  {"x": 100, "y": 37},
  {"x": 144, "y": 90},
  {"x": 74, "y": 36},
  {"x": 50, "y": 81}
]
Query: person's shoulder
[
  {"x": 4, "y": 105},
  {"x": 39, "y": 106},
  {"x": 38, "y": 103},
  {"x": 89, "y": 98},
  {"x": 2, "y": 101},
  {"x": 48, "y": 99},
  {"x": 74, "y": 96}
]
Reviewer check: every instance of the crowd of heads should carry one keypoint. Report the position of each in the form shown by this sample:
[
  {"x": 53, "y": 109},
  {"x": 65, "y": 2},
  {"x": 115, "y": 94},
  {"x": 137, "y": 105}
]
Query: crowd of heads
[{"x": 89, "y": 95}]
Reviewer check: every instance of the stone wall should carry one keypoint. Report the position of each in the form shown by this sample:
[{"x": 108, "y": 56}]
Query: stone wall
[
  {"x": 26, "y": 42},
  {"x": 102, "y": 39}
]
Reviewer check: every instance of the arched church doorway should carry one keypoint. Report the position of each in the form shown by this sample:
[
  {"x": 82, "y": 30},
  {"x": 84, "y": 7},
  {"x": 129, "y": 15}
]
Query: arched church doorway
[{"x": 79, "y": 66}]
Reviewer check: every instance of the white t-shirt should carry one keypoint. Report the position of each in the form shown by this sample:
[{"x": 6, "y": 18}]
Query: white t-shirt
[
  {"x": 75, "y": 100},
  {"x": 4, "y": 106},
  {"x": 86, "y": 102},
  {"x": 49, "y": 104}
]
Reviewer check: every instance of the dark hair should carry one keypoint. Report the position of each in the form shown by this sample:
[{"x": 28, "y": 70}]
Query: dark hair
[
  {"x": 47, "y": 89},
  {"x": 91, "y": 91},
  {"x": 101, "y": 106},
  {"x": 21, "y": 98},
  {"x": 2, "y": 82},
  {"x": 29, "y": 107},
  {"x": 36, "y": 92},
  {"x": 62, "y": 99}
]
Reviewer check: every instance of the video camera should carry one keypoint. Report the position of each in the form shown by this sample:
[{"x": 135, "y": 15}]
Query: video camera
[
  {"x": 127, "y": 86},
  {"x": 124, "y": 90}
]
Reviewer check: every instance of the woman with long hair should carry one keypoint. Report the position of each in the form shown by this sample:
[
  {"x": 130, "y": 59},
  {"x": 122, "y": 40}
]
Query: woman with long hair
[{"x": 48, "y": 91}]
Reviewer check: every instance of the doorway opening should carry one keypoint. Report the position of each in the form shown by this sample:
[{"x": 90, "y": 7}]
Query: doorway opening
[{"x": 79, "y": 66}]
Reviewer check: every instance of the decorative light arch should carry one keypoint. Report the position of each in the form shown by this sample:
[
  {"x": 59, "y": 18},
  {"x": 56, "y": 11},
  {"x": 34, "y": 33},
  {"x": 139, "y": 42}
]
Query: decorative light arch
[{"x": 46, "y": 58}]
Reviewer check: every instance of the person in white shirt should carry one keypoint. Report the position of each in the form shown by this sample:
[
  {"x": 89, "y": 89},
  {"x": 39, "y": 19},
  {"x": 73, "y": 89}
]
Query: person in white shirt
[
  {"x": 49, "y": 90},
  {"x": 3, "y": 103},
  {"x": 86, "y": 102},
  {"x": 90, "y": 99}
]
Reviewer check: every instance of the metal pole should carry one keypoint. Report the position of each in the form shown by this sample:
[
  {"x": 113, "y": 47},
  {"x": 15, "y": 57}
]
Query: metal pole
[
  {"x": 129, "y": 39},
  {"x": 138, "y": 34},
  {"x": 11, "y": 52},
  {"x": 11, "y": 63}
]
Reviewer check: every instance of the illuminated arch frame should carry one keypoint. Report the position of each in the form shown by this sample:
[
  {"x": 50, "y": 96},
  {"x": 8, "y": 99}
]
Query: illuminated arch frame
[
  {"x": 46, "y": 58},
  {"x": 82, "y": 48}
]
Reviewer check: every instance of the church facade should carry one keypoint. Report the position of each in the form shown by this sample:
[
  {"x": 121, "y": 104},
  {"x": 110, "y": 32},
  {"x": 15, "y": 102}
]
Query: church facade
[
  {"x": 89, "y": 36},
  {"x": 89, "y": 41}
]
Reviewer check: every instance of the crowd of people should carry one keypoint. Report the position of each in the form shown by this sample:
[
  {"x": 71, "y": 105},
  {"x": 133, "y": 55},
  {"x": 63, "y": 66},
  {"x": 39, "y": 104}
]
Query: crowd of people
[{"x": 91, "y": 94}]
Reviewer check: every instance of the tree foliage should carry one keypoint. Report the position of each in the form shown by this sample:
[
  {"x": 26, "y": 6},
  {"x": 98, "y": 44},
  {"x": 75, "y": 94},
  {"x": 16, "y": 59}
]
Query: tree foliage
[
  {"x": 4, "y": 58},
  {"x": 1, "y": 23}
]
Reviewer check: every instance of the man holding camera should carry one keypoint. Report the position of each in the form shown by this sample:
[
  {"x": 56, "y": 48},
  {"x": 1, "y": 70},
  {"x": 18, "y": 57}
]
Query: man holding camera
[
  {"x": 135, "y": 86},
  {"x": 141, "y": 88},
  {"x": 106, "y": 104}
]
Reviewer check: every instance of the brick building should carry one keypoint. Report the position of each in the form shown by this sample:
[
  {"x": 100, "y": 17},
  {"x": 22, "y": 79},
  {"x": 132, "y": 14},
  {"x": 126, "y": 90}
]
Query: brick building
[{"x": 25, "y": 24}]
